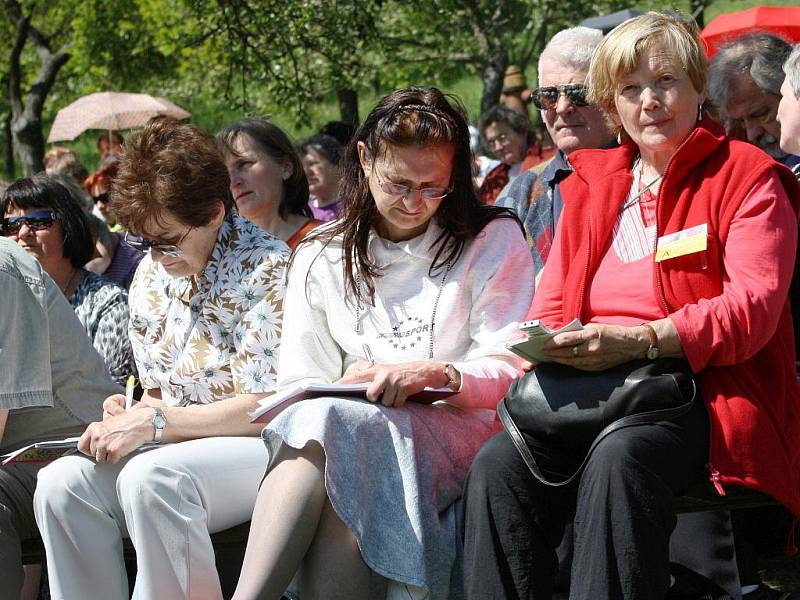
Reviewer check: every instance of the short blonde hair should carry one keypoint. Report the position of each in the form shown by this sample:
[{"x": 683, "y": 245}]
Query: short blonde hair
[{"x": 621, "y": 50}]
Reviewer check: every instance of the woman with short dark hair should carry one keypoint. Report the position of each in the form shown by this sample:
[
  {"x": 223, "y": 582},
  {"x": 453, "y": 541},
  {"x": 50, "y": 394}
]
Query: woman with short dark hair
[
  {"x": 509, "y": 136},
  {"x": 267, "y": 180},
  {"x": 206, "y": 310},
  {"x": 42, "y": 216},
  {"x": 321, "y": 157}
]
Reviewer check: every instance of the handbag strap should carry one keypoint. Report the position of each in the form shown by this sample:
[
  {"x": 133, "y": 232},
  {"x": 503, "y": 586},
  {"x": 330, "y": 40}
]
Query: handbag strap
[{"x": 643, "y": 418}]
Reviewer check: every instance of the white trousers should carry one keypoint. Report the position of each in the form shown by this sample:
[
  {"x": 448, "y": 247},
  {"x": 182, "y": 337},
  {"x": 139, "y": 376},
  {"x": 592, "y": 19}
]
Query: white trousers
[{"x": 167, "y": 500}]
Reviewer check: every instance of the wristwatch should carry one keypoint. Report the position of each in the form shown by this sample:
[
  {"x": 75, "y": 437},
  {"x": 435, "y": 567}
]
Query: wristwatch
[
  {"x": 453, "y": 377},
  {"x": 654, "y": 350},
  {"x": 159, "y": 423}
]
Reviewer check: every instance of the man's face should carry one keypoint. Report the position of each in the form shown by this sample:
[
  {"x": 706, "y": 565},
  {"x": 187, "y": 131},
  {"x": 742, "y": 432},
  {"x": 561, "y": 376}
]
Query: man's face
[
  {"x": 789, "y": 119},
  {"x": 755, "y": 110},
  {"x": 572, "y": 127}
]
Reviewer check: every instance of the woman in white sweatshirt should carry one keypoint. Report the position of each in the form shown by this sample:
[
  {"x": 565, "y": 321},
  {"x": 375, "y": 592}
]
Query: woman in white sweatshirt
[{"x": 417, "y": 284}]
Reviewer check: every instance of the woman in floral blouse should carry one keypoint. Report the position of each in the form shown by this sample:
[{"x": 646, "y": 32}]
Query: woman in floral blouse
[{"x": 206, "y": 312}]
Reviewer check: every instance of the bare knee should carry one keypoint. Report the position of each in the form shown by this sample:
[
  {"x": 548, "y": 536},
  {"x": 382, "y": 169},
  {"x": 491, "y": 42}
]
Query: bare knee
[{"x": 312, "y": 453}]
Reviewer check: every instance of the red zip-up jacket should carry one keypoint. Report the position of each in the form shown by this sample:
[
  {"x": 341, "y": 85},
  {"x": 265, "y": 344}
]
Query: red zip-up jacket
[{"x": 752, "y": 394}]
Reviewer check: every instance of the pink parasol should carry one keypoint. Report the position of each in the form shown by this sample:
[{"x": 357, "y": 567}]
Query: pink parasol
[{"x": 110, "y": 110}]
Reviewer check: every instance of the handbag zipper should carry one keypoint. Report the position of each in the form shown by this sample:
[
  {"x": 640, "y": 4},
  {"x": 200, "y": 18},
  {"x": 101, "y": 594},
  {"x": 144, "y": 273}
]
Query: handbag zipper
[{"x": 715, "y": 480}]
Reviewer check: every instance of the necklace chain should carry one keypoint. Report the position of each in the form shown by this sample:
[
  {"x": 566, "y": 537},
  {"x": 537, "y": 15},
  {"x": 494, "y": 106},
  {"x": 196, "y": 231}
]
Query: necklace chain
[
  {"x": 70, "y": 280},
  {"x": 631, "y": 201},
  {"x": 360, "y": 308}
]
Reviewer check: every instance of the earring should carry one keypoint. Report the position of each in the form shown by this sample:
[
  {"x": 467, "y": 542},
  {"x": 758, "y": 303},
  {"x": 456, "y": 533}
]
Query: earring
[{"x": 700, "y": 112}]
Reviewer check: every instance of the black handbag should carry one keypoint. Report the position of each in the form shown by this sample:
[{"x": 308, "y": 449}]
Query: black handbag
[{"x": 570, "y": 407}]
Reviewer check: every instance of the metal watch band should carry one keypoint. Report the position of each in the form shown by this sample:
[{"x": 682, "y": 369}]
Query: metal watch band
[
  {"x": 452, "y": 377},
  {"x": 159, "y": 423}
]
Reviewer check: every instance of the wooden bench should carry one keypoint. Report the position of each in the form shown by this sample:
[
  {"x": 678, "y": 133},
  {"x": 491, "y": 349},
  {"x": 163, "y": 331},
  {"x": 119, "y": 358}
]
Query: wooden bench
[{"x": 700, "y": 498}]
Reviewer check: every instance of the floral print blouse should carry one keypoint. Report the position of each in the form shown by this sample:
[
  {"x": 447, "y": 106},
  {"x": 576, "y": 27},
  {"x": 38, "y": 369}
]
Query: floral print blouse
[
  {"x": 206, "y": 340},
  {"x": 102, "y": 308}
]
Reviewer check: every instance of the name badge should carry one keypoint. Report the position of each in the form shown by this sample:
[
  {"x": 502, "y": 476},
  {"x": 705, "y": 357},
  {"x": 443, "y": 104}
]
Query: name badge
[{"x": 680, "y": 243}]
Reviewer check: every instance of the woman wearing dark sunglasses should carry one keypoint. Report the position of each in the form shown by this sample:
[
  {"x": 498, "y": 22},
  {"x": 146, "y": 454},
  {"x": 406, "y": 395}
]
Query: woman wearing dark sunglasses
[{"x": 43, "y": 217}]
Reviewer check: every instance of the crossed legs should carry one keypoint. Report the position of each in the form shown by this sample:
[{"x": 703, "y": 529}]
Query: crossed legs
[{"x": 295, "y": 530}]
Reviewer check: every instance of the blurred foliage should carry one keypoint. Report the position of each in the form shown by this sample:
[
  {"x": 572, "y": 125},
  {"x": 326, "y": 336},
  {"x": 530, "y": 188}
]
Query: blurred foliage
[{"x": 221, "y": 59}]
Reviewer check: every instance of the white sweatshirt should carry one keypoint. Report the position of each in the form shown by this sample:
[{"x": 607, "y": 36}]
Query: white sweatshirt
[{"x": 485, "y": 295}]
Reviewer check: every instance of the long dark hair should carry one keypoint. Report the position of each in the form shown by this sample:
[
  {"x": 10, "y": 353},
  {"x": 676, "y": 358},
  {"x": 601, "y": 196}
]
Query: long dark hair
[{"x": 412, "y": 116}]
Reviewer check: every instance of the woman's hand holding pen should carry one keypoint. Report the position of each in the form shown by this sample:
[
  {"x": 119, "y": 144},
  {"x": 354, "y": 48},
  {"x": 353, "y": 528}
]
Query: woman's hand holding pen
[
  {"x": 118, "y": 435},
  {"x": 117, "y": 403}
]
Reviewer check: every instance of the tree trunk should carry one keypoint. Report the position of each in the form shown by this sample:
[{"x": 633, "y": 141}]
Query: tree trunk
[
  {"x": 28, "y": 142},
  {"x": 698, "y": 8},
  {"x": 8, "y": 148},
  {"x": 492, "y": 78},
  {"x": 348, "y": 106},
  {"x": 26, "y": 115}
]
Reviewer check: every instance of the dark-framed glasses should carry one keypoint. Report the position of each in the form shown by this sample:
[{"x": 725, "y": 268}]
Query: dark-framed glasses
[
  {"x": 100, "y": 198},
  {"x": 546, "y": 98},
  {"x": 145, "y": 245},
  {"x": 36, "y": 220}
]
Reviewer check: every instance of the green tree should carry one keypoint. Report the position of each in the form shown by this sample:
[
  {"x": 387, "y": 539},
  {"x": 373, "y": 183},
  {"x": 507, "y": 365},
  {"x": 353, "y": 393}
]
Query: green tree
[
  {"x": 447, "y": 37},
  {"x": 297, "y": 52},
  {"x": 69, "y": 48},
  {"x": 27, "y": 104}
]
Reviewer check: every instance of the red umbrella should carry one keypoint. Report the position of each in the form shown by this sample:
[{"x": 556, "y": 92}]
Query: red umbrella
[{"x": 783, "y": 21}]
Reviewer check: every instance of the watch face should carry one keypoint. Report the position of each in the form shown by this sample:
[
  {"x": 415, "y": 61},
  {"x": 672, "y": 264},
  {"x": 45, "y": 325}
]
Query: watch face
[{"x": 159, "y": 421}]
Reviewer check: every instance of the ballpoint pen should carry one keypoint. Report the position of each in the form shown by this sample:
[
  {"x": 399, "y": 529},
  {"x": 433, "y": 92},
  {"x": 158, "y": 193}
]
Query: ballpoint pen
[
  {"x": 129, "y": 386},
  {"x": 368, "y": 355}
]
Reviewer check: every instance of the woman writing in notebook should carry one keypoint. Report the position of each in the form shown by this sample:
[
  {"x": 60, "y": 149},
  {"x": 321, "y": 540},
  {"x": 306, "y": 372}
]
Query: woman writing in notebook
[{"x": 432, "y": 283}]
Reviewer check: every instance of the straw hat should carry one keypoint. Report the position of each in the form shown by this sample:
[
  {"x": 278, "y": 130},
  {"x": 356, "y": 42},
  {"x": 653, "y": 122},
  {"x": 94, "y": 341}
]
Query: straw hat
[{"x": 514, "y": 80}]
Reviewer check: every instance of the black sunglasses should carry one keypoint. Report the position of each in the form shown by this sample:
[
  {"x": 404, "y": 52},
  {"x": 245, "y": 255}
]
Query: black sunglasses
[
  {"x": 546, "y": 98},
  {"x": 101, "y": 198},
  {"x": 36, "y": 220}
]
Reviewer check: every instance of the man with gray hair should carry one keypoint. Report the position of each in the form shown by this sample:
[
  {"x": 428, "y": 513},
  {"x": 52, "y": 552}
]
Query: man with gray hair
[
  {"x": 789, "y": 107},
  {"x": 745, "y": 78},
  {"x": 572, "y": 123},
  {"x": 745, "y": 81}
]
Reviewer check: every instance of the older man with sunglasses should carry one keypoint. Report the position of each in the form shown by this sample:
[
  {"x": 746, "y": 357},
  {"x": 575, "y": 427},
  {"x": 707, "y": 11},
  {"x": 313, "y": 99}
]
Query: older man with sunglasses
[{"x": 573, "y": 124}]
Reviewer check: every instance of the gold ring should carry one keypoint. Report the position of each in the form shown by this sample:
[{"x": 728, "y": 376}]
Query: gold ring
[{"x": 575, "y": 351}]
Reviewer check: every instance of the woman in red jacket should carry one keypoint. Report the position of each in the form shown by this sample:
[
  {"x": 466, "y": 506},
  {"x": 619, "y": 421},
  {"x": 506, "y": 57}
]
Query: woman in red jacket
[{"x": 679, "y": 243}]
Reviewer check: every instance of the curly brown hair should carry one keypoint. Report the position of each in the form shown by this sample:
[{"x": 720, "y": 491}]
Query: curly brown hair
[{"x": 169, "y": 168}]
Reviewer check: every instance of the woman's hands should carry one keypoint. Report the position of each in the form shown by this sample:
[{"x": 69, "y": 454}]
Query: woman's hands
[
  {"x": 598, "y": 347},
  {"x": 393, "y": 384},
  {"x": 119, "y": 433}
]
